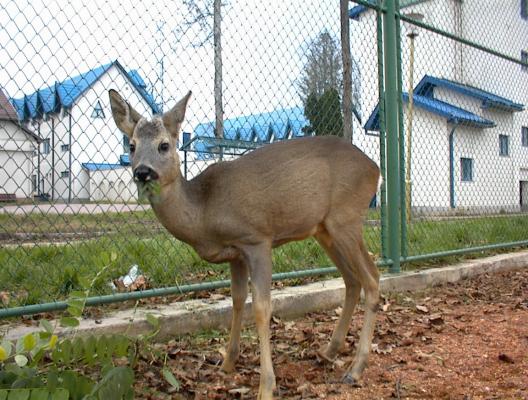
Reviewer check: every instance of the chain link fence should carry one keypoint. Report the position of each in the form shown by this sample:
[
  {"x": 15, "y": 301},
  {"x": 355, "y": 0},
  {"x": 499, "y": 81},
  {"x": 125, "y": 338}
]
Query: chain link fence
[{"x": 271, "y": 71}]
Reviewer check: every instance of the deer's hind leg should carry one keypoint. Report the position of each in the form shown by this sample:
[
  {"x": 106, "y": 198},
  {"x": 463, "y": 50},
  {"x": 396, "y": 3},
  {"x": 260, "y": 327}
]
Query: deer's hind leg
[
  {"x": 346, "y": 237},
  {"x": 239, "y": 292},
  {"x": 352, "y": 292}
]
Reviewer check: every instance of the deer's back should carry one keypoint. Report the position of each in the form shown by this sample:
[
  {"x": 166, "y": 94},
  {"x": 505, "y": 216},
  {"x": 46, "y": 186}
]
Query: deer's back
[{"x": 288, "y": 184}]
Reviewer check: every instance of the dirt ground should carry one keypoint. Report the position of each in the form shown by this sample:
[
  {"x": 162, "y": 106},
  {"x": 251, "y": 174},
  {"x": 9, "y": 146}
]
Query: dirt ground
[{"x": 460, "y": 341}]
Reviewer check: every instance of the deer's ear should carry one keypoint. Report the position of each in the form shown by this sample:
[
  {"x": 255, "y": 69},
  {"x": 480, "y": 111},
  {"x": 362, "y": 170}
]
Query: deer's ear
[
  {"x": 124, "y": 115},
  {"x": 173, "y": 118}
]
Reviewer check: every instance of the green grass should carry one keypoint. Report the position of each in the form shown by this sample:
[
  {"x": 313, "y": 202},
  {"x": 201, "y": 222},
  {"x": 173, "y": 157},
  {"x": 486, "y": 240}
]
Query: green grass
[
  {"x": 46, "y": 223},
  {"x": 42, "y": 273}
]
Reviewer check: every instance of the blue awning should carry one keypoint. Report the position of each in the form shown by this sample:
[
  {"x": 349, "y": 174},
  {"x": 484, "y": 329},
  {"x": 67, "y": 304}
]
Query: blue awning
[
  {"x": 101, "y": 166},
  {"x": 489, "y": 100},
  {"x": 453, "y": 114}
]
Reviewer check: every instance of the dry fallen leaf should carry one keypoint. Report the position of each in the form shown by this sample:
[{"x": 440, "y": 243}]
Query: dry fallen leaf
[
  {"x": 289, "y": 325},
  {"x": 436, "y": 319},
  {"x": 381, "y": 350},
  {"x": 423, "y": 309},
  {"x": 4, "y": 297},
  {"x": 242, "y": 390}
]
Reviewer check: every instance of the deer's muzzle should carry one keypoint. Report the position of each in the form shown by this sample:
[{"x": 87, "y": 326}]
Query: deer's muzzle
[{"x": 145, "y": 174}]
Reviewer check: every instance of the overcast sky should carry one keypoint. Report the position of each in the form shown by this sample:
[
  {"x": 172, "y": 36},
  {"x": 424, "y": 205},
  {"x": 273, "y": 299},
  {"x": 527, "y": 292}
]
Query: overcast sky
[{"x": 46, "y": 41}]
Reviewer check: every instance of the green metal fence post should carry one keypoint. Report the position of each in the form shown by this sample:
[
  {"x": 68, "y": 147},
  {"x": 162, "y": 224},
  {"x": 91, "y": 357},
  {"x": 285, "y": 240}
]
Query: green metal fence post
[
  {"x": 382, "y": 137},
  {"x": 404, "y": 217},
  {"x": 392, "y": 125}
]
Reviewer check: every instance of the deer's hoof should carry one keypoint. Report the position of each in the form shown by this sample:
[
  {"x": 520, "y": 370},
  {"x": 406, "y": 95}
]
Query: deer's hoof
[
  {"x": 350, "y": 380},
  {"x": 228, "y": 367},
  {"x": 325, "y": 356},
  {"x": 266, "y": 388}
]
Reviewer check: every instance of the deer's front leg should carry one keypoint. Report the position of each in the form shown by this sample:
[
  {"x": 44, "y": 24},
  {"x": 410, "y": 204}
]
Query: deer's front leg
[
  {"x": 259, "y": 262},
  {"x": 239, "y": 291}
]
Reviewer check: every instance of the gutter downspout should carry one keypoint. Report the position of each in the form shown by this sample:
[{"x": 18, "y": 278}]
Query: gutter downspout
[
  {"x": 69, "y": 157},
  {"x": 53, "y": 158},
  {"x": 452, "y": 166},
  {"x": 38, "y": 164}
]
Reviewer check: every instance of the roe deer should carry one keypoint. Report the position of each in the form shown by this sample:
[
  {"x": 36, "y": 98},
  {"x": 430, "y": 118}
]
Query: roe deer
[{"x": 237, "y": 211}]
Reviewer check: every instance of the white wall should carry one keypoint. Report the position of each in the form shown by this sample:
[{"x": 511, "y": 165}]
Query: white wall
[
  {"x": 114, "y": 185},
  {"x": 92, "y": 139},
  {"x": 429, "y": 161},
  {"x": 16, "y": 160},
  {"x": 499, "y": 25}
]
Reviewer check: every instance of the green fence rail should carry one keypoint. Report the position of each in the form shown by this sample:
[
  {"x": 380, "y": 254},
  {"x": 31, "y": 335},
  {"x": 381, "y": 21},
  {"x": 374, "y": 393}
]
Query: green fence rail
[{"x": 439, "y": 95}]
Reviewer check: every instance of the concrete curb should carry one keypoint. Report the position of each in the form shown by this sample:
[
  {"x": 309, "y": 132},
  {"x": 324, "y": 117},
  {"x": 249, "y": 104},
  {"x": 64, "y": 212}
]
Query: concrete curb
[{"x": 194, "y": 315}]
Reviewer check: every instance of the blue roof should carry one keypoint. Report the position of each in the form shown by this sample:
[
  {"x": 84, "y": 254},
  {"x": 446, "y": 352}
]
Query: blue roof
[
  {"x": 356, "y": 11},
  {"x": 65, "y": 93},
  {"x": 453, "y": 114},
  {"x": 124, "y": 159},
  {"x": 260, "y": 128},
  {"x": 489, "y": 100},
  {"x": 48, "y": 100},
  {"x": 19, "y": 105},
  {"x": 100, "y": 166}
]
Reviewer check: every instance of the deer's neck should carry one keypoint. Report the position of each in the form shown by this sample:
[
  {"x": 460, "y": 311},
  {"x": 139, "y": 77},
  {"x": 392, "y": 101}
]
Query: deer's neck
[{"x": 179, "y": 211}]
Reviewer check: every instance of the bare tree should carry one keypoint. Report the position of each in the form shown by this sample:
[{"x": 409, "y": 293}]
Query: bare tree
[
  {"x": 330, "y": 67},
  {"x": 347, "y": 71},
  {"x": 322, "y": 70},
  {"x": 207, "y": 15}
]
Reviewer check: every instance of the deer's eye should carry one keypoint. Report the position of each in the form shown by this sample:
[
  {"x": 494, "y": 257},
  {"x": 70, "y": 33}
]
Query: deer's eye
[
  {"x": 132, "y": 147},
  {"x": 163, "y": 147}
]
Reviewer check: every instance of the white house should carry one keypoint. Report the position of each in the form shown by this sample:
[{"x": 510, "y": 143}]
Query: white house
[
  {"x": 469, "y": 146},
  {"x": 17, "y": 146},
  {"x": 82, "y": 151}
]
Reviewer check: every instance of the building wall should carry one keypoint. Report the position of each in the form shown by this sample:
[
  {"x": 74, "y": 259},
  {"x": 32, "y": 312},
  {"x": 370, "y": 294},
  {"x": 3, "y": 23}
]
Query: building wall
[
  {"x": 92, "y": 139},
  {"x": 500, "y": 27},
  {"x": 429, "y": 161},
  {"x": 114, "y": 185},
  {"x": 16, "y": 160},
  {"x": 45, "y": 128},
  {"x": 496, "y": 177},
  {"x": 496, "y": 183},
  {"x": 98, "y": 140}
]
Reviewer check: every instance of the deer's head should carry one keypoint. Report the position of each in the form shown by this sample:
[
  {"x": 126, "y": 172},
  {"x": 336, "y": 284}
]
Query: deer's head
[{"x": 153, "y": 144}]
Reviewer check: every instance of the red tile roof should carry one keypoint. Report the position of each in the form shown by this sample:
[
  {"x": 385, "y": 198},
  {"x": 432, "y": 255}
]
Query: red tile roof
[{"x": 7, "y": 112}]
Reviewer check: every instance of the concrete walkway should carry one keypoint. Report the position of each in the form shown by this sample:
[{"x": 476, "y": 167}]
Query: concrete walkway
[{"x": 72, "y": 208}]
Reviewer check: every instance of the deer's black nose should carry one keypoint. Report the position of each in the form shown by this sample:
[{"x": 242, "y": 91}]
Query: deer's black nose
[{"x": 144, "y": 174}]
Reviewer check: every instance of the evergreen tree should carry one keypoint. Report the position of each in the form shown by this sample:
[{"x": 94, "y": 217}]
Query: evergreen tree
[{"x": 324, "y": 114}]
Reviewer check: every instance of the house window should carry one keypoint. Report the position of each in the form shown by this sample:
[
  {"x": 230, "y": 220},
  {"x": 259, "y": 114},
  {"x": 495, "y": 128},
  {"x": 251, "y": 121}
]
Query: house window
[
  {"x": 186, "y": 137},
  {"x": 46, "y": 148},
  {"x": 466, "y": 166},
  {"x": 524, "y": 59},
  {"x": 524, "y": 137},
  {"x": 65, "y": 174},
  {"x": 65, "y": 147},
  {"x": 524, "y": 9},
  {"x": 98, "y": 110},
  {"x": 126, "y": 144},
  {"x": 504, "y": 145}
]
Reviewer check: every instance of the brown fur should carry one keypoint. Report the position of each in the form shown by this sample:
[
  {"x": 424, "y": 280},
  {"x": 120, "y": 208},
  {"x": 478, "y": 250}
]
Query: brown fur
[{"x": 237, "y": 211}]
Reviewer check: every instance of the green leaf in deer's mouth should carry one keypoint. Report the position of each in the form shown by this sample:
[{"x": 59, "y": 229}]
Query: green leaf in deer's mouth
[{"x": 148, "y": 190}]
